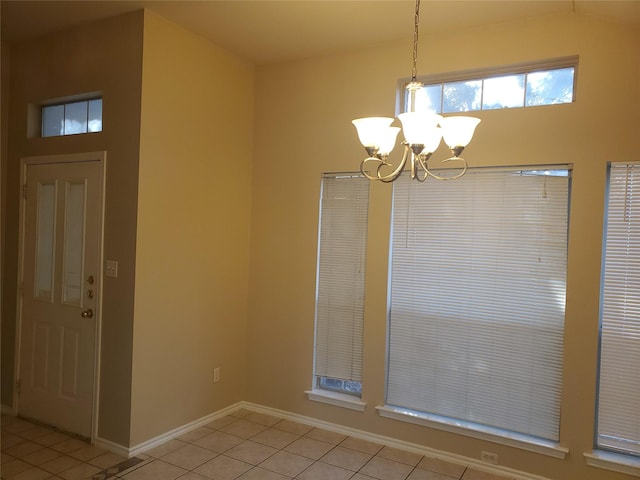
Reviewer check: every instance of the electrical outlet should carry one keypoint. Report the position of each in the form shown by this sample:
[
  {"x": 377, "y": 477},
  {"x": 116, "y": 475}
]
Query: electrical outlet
[
  {"x": 489, "y": 457},
  {"x": 216, "y": 375}
]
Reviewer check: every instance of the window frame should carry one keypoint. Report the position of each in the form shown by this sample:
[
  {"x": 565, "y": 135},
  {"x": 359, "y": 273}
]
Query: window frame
[
  {"x": 490, "y": 73},
  {"x": 346, "y": 397},
  {"x": 608, "y": 306},
  {"x": 65, "y": 104},
  {"x": 465, "y": 427}
]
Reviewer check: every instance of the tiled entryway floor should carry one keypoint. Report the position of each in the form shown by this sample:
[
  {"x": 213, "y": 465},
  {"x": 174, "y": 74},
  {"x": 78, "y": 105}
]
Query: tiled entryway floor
[{"x": 244, "y": 445}]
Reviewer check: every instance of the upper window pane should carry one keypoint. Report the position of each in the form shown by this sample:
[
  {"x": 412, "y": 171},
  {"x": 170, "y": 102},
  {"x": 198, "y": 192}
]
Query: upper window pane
[
  {"x": 544, "y": 83},
  {"x": 429, "y": 98},
  {"x": 462, "y": 96},
  {"x": 550, "y": 87},
  {"x": 72, "y": 118},
  {"x": 53, "y": 120},
  {"x": 75, "y": 118},
  {"x": 95, "y": 115},
  {"x": 503, "y": 92}
]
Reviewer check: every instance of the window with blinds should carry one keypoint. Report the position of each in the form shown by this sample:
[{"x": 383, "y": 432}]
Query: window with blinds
[
  {"x": 340, "y": 283},
  {"x": 478, "y": 298},
  {"x": 618, "y": 419}
]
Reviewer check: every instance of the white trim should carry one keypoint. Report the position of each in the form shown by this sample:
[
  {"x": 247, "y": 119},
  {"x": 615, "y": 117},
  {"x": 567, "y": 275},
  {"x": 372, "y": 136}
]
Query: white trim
[
  {"x": 490, "y": 72},
  {"x": 395, "y": 443},
  {"x": 112, "y": 447},
  {"x": 176, "y": 432},
  {"x": 461, "y": 427},
  {"x": 100, "y": 157},
  {"x": 616, "y": 462},
  {"x": 312, "y": 422},
  {"x": 337, "y": 399}
]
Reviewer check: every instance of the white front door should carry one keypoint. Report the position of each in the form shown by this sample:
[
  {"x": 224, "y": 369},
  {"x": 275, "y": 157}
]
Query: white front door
[{"x": 60, "y": 293}]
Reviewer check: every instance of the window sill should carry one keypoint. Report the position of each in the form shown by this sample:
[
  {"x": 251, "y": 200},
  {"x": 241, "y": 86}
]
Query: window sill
[
  {"x": 496, "y": 435},
  {"x": 616, "y": 462},
  {"x": 336, "y": 399}
]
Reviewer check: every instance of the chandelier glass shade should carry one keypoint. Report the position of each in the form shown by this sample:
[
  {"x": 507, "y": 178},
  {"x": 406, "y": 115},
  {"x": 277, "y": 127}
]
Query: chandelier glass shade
[{"x": 422, "y": 131}]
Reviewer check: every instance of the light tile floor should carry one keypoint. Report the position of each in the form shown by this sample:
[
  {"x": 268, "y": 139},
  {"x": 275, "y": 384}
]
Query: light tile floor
[{"x": 244, "y": 445}]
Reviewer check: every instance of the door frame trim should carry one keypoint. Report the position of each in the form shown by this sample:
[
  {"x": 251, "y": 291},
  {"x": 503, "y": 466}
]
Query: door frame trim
[{"x": 101, "y": 158}]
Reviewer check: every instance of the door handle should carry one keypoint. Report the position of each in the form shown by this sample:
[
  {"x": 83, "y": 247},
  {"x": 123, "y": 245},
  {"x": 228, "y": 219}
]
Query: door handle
[{"x": 87, "y": 313}]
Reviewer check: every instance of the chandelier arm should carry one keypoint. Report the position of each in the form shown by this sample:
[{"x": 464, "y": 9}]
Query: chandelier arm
[
  {"x": 422, "y": 178},
  {"x": 414, "y": 167},
  {"x": 365, "y": 172},
  {"x": 416, "y": 161},
  {"x": 389, "y": 177},
  {"x": 381, "y": 163},
  {"x": 465, "y": 167}
]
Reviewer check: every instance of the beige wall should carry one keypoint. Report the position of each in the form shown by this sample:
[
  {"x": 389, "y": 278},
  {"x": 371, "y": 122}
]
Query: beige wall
[
  {"x": 192, "y": 259},
  {"x": 189, "y": 166},
  {"x": 7, "y": 327},
  {"x": 178, "y": 121},
  {"x": 102, "y": 57},
  {"x": 303, "y": 114}
]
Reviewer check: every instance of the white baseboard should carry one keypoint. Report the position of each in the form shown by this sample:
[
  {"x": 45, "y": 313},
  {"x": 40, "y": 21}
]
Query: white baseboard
[
  {"x": 176, "y": 432},
  {"x": 165, "y": 437},
  {"x": 395, "y": 443},
  {"x": 112, "y": 447},
  {"x": 352, "y": 432}
]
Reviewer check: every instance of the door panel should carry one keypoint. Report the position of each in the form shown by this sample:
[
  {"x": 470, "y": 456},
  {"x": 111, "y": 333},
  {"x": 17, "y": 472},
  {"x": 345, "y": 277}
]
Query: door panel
[{"x": 62, "y": 235}]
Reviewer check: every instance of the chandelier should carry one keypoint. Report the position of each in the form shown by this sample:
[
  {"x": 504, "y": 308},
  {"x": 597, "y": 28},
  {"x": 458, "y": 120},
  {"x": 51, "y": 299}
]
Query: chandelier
[{"x": 423, "y": 132}]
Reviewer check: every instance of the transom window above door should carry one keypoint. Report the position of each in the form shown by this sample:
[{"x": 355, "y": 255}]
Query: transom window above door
[{"x": 72, "y": 118}]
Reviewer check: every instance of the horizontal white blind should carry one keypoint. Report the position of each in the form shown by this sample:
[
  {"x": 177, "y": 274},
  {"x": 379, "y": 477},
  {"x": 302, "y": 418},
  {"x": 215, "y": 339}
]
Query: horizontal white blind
[
  {"x": 478, "y": 298},
  {"x": 341, "y": 268},
  {"x": 619, "y": 385}
]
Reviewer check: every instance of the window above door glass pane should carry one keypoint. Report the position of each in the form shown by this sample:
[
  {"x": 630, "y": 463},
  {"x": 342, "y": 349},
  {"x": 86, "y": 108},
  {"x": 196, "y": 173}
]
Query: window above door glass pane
[{"x": 72, "y": 118}]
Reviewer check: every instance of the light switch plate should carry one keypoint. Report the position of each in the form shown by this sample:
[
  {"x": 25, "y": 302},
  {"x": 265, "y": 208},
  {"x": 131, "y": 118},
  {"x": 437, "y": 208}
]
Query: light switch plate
[{"x": 112, "y": 268}]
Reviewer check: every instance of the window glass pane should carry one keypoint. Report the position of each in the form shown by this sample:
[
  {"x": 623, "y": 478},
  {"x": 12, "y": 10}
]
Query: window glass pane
[
  {"x": 618, "y": 420},
  {"x": 75, "y": 118},
  {"x": 428, "y": 99},
  {"x": 550, "y": 87},
  {"x": 45, "y": 241},
  {"x": 73, "y": 243},
  {"x": 52, "y": 120},
  {"x": 478, "y": 284},
  {"x": 344, "y": 386},
  {"x": 340, "y": 282},
  {"x": 95, "y": 115},
  {"x": 462, "y": 96},
  {"x": 503, "y": 92}
]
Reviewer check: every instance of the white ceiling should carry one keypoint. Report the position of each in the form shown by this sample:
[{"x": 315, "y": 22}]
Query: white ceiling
[{"x": 266, "y": 31}]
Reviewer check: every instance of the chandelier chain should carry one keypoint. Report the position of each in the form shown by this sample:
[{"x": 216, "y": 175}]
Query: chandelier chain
[{"x": 416, "y": 25}]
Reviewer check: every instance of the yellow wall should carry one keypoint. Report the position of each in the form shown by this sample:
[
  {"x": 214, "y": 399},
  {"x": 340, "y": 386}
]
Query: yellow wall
[
  {"x": 101, "y": 57},
  {"x": 194, "y": 199},
  {"x": 303, "y": 114}
]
